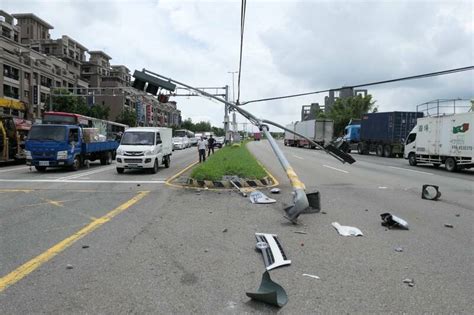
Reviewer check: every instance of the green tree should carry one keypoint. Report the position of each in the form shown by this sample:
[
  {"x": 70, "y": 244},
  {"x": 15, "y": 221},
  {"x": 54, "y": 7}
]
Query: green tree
[
  {"x": 202, "y": 126},
  {"x": 219, "y": 132},
  {"x": 344, "y": 109},
  {"x": 127, "y": 117},
  {"x": 70, "y": 103},
  {"x": 187, "y": 124}
]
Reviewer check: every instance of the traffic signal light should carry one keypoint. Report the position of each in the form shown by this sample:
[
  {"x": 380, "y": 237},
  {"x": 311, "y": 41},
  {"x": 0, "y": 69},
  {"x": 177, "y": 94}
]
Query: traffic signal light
[{"x": 150, "y": 84}]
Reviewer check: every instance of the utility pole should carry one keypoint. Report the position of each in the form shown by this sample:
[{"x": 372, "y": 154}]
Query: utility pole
[{"x": 234, "y": 119}]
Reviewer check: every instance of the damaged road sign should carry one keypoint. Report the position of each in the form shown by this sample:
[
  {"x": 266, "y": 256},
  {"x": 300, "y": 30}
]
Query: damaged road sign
[
  {"x": 392, "y": 221},
  {"x": 259, "y": 197},
  {"x": 269, "y": 292}
]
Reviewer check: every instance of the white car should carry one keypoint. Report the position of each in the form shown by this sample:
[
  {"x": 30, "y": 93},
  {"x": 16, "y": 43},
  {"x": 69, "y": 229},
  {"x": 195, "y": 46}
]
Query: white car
[
  {"x": 144, "y": 148},
  {"x": 180, "y": 143}
]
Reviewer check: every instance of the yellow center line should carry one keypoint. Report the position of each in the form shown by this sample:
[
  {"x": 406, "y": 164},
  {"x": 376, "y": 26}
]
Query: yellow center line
[{"x": 30, "y": 266}]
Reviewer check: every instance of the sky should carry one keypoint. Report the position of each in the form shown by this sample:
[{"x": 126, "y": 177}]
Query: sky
[{"x": 289, "y": 47}]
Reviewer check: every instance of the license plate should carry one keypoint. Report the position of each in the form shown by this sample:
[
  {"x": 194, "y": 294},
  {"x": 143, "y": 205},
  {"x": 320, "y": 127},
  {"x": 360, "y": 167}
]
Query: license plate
[{"x": 43, "y": 163}]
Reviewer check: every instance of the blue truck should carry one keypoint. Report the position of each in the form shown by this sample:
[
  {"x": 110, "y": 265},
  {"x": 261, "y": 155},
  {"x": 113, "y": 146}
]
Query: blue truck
[
  {"x": 59, "y": 145},
  {"x": 381, "y": 133}
]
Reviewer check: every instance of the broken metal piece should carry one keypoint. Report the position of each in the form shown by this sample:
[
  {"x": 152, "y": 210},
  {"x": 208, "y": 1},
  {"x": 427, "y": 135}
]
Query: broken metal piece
[
  {"x": 392, "y": 221},
  {"x": 275, "y": 190},
  {"x": 269, "y": 292},
  {"x": 238, "y": 188},
  {"x": 311, "y": 276},
  {"x": 259, "y": 197},
  {"x": 398, "y": 249},
  {"x": 347, "y": 230},
  {"x": 430, "y": 192},
  {"x": 448, "y": 225},
  {"x": 272, "y": 251}
]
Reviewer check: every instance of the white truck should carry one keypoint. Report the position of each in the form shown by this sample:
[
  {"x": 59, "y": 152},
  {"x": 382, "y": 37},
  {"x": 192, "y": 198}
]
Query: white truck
[
  {"x": 320, "y": 131},
  {"x": 144, "y": 148},
  {"x": 447, "y": 140}
]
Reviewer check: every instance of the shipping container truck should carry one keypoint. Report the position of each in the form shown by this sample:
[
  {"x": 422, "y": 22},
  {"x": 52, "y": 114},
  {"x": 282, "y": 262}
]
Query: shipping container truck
[
  {"x": 320, "y": 131},
  {"x": 381, "y": 133},
  {"x": 446, "y": 139}
]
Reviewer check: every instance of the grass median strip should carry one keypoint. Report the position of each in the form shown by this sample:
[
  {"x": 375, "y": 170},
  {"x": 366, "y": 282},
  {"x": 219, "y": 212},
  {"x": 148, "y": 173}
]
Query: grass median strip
[{"x": 230, "y": 160}]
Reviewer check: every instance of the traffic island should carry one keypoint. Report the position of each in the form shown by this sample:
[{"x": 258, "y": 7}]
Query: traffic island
[{"x": 229, "y": 164}]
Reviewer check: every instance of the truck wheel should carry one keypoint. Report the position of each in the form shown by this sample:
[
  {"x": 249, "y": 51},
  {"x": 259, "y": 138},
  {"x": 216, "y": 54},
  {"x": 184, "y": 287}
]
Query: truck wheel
[
  {"x": 41, "y": 169},
  {"x": 450, "y": 164},
  {"x": 412, "y": 159},
  {"x": 76, "y": 165},
  {"x": 120, "y": 170},
  {"x": 154, "y": 170},
  {"x": 106, "y": 159},
  {"x": 167, "y": 161},
  {"x": 379, "y": 150},
  {"x": 387, "y": 151},
  {"x": 360, "y": 149}
]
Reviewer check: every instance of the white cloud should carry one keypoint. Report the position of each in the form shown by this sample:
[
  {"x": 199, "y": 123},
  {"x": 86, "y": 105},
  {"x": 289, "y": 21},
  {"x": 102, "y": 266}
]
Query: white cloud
[{"x": 290, "y": 46}]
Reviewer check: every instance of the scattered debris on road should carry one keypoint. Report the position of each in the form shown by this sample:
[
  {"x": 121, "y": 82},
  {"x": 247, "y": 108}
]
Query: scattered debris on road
[
  {"x": 272, "y": 251},
  {"x": 301, "y": 232},
  {"x": 259, "y": 197},
  {"x": 269, "y": 292},
  {"x": 244, "y": 194},
  {"x": 430, "y": 192},
  {"x": 85, "y": 246},
  {"x": 382, "y": 187},
  {"x": 410, "y": 282},
  {"x": 68, "y": 266},
  {"x": 311, "y": 276},
  {"x": 398, "y": 249},
  {"x": 458, "y": 215},
  {"x": 448, "y": 225},
  {"x": 224, "y": 230},
  {"x": 323, "y": 212},
  {"x": 275, "y": 190},
  {"x": 392, "y": 221},
  {"x": 347, "y": 230}
]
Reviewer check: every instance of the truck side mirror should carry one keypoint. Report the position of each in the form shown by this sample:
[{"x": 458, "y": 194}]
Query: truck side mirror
[{"x": 158, "y": 141}]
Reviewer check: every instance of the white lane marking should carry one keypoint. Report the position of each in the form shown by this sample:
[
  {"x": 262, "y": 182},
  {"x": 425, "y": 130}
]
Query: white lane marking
[
  {"x": 336, "y": 169},
  {"x": 86, "y": 173},
  {"x": 83, "y": 181},
  {"x": 14, "y": 169},
  {"x": 298, "y": 157},
  {"x": 405, "y": 169}
]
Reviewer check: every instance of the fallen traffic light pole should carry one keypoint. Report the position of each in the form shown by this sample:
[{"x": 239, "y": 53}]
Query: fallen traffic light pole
[{"x": 302, "y": 202}]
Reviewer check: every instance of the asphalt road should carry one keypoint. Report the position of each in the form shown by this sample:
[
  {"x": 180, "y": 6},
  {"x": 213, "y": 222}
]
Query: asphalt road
[{"x": 136, "y": 245}]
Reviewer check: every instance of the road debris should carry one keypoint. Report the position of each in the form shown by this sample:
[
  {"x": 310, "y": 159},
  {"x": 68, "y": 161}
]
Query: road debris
[
  {"x": 410, "y": 282},
  {"x": 458, "y": 215},
  {"x": 68, "y": 266},
  {"x": 244, "y": 194},
  {"x": 85, "y": 246},
  {"x": 269, "y": 292},
  {"x": 300, "y": 232},
  {"x": 448, "y": 225},
  {"x": 311, "y": 276},
  {"x": 324, "y": 212},
  {"x": 398, "y": 249},
  {"x": 272, "y": 250},
  {"x": 430, "y": 192},
  {"x": 224, "y": 230},
  {"x": 259, "y": 197},
  {"x": 382, "y": 187},
  {"x": 275, "y": 190},
  {"x": 347, "y": 230},
  {"x": 392, "y": 221}
]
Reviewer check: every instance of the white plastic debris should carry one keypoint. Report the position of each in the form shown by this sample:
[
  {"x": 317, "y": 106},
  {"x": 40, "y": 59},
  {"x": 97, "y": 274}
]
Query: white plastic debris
[
  {"x": 259, "y": 197},
  {"x": 311, "y": 276},
  {"x": 347, "y": 230},
  {"x": 275, "y": 190}
]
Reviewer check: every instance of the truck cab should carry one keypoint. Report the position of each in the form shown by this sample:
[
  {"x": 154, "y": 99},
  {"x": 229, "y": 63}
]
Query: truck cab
[
  {"x": 53, "y": 145},
  {"x": 144, "y": 148}
]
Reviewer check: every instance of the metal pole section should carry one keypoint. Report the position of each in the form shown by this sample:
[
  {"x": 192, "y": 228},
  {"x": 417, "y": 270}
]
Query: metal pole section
[
  {"x": 50, "y": 102},
  {"x": 226, "y": 115},
  {"x": 299, "y": 197}
]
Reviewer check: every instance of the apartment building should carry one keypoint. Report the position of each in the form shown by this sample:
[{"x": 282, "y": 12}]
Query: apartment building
[{"x": 33, "y": 65}]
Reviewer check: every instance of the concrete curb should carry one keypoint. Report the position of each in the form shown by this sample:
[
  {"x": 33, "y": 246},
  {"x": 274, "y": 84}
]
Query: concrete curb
[{"x": 264, "y": 182}]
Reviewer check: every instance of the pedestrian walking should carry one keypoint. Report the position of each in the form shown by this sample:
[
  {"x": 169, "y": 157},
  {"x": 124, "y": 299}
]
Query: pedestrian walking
[
  {"x": 201, "y": 146},
  {"x": 210, "y": 145}
]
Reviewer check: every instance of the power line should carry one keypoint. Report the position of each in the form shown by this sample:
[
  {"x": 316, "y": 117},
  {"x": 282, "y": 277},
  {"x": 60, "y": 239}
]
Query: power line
[
  {"x": 414, "y": 77},
  {"x": 242, "y": 27}
]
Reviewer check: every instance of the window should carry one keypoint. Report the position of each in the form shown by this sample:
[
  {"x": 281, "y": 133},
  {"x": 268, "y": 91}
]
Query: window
[
  {"x": 10, "y": 91},
  {"x": 27, "y": 94},
  {"x": 411, "y": 138},
  {"x": 158, "y": 138},
  {"x": 73, "y": 135},
  {"x": 27, "y": 75}
]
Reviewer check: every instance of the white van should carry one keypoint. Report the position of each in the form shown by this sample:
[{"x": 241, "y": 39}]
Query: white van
[{"x": 144, "y": 148}]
